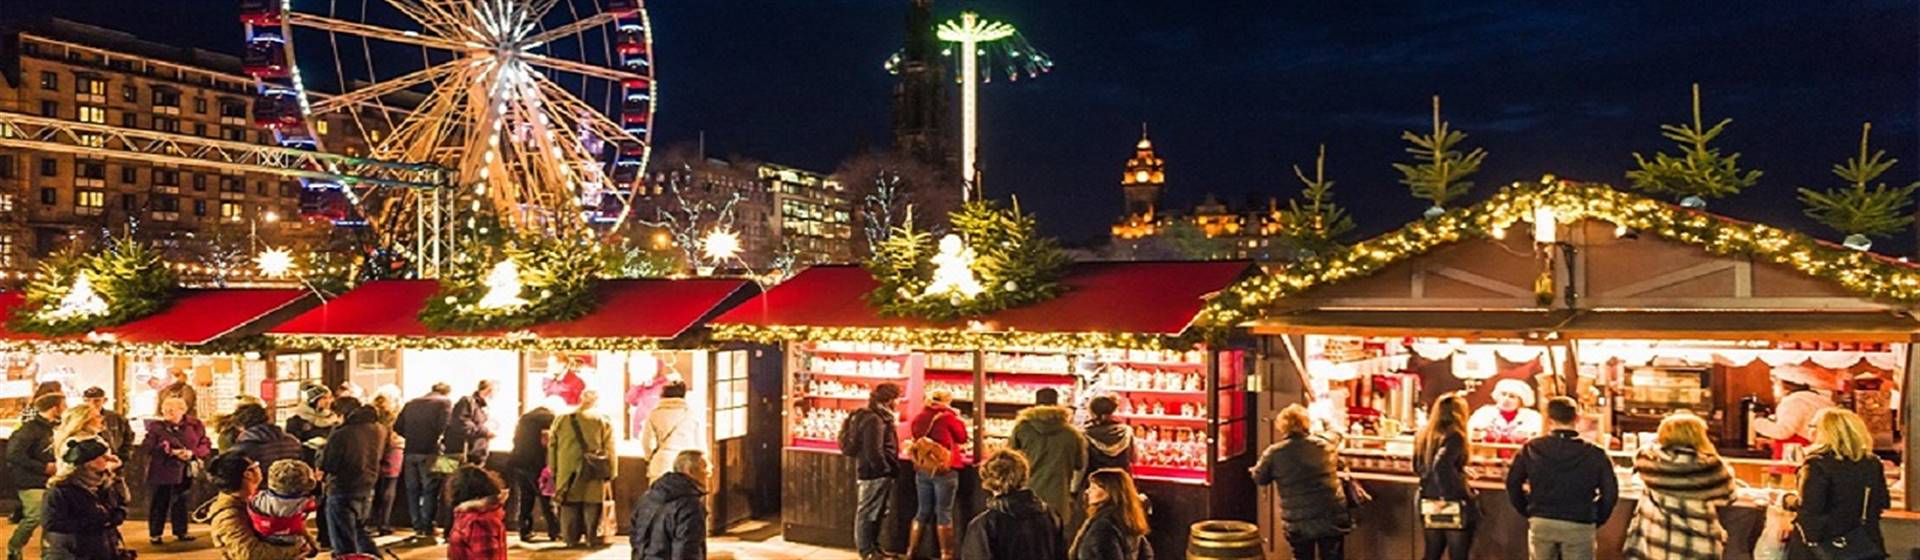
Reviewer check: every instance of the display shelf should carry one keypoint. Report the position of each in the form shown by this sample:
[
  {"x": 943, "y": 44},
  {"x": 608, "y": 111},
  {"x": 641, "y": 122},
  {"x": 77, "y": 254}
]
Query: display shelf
[
  {"x": 856, "y": 375},
  {"x": 1182, "y": 366},
  {"x": 1169, "y": 474},
  {"x": 834, "y": 397},
  {"x": 1172, "y": 392},
  {"x": 814, "y": 445},
  {"x": 1162, "y": 418}
]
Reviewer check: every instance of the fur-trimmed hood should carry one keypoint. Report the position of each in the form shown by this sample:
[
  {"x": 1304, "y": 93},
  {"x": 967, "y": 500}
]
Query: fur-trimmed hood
[
  {"x": 1682, "y": 472},
  {"x": 1046, "y": 419},
  {"x": 1109, "y": 438}
]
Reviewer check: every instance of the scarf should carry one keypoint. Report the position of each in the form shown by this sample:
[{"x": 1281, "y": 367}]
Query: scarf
[{"x": 87, "y": 478}]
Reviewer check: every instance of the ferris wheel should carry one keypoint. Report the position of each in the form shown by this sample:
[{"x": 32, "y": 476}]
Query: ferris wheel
[{"x": 542, "y": 108}]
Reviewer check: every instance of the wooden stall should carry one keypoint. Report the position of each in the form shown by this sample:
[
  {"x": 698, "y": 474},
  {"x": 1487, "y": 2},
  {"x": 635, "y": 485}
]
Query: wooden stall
[{"x": 1112, "y": 332}]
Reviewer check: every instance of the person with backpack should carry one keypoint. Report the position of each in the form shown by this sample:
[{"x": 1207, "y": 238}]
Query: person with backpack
[
  {"x": 868, "y": 436},
  {"x": 938, "y": 434}
]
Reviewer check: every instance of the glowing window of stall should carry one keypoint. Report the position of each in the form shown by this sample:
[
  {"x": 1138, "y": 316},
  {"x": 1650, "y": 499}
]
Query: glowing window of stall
[
  {"x": 730, "y": 395},
  {"x": 462, "y": 371},
  {"x": 629, "y": 384},
  {"x": 24, "y": 371}
]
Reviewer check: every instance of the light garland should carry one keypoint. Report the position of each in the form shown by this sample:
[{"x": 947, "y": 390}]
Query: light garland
[
  {"x": 1870, "y": 275},
  {"x": 512, "y": 341},
  {"x": 954, "y": 339}
]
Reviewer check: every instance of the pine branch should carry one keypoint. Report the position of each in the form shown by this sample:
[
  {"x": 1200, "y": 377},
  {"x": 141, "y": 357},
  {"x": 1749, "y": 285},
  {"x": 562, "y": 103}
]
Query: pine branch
[
  {"x": 1856, "y": 209},
  {"x": 1440, "y": 169},
  {"x": 1699, "y": 171}
]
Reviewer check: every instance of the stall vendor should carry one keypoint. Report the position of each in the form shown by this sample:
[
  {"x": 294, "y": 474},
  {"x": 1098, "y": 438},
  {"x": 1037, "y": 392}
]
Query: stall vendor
[
  {"x": 1511, "y": 418},
  {"x": 1791, "y": 426}
]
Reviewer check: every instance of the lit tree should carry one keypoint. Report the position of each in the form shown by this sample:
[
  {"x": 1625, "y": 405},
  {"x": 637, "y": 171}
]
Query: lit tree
[
  {"x": 1857, "y": 211},
  {"x": 1699, "y": 172},
  {"x": 1318, "y": 221},
  {"x": 1440, "y": 169},
  {"x": 882, "y": 185},
  {"x": 687, "y": 217}
]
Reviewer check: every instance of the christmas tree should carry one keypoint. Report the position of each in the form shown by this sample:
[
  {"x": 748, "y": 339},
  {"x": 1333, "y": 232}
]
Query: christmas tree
[
  {"x": 1319, "y": 221},
  {"x": 1440, "y": 169},
  {"x": 1699, "y": 172},
  {"x": 1857, "y": 211}
]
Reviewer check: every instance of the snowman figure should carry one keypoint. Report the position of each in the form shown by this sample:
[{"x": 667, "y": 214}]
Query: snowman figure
[
  {"x": 953, "y": 272},
  {"x": 503, "y": 287},
  {"x": 79, "y": 302}
]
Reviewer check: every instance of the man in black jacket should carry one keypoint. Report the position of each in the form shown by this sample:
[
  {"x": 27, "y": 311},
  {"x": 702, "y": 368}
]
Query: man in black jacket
[
  {"x": 422, "y": 422},
  {"x": 351, "y": 460},
  {"x": 469, "y": 433},
  {"x": 1565, "y": 486},
  {"x": 671, "y": 521},
  {"x": 30, "y": 464},
  {"x": 874, "y": 443},
  {"x": 529, "y": 457},
  {"x": 1016, "y": 524}
]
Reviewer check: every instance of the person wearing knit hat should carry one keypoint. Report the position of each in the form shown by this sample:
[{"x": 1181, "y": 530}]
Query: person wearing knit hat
[
  {"x": 279, "y": 513},
  {"x": 83, "y": 515},
  {"x": 1511, "y": 418},
  {"x": 313, "y": 417}
]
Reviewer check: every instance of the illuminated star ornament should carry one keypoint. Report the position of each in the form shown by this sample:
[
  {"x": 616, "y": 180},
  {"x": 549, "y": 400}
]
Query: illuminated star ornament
[
  {"x": 80, "y": 302},
  {"x": 720, "y": 245},
  {"x": 275, "y": 263},
  {"x": 503, "y": 287}
]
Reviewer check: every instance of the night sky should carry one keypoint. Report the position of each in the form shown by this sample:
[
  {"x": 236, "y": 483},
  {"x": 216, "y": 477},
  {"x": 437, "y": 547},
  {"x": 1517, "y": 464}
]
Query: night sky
[{"x": 1236, "y": 91}]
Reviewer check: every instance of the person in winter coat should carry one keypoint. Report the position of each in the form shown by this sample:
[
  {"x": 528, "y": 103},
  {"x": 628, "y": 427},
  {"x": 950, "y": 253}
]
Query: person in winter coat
[
  {"x": 118, "y": 432},
  {"x": 351, "y": 461},
  {"x": 1116, "y": 527},
  {"x": 581, "y": 494},
  {"x": 179, "y": 387},
  {"x": 422, "y": 422},
  {"x": 238, "y": 478},
  {"x": 1056, "y": 451},
  {"x": 934, "y": 490},
  {"x": 469, "y": 432},
  {"x": 259, "y": 438},
  {"x": 1678, "y": 516},
  {"x": 1843, "y": 486},
  {"x": 670, "y": 429},
  {"x": 386, "y": 407},
  {"x": 529, "y": 458},
  {"x": 83, "y": 512},
  {"x": 1109, "y": 441},
  {"x": 871, "y": 438},
  {"x": 313, "y": 417},
  {"x": 1564, "y": 485},
  {"x": 671, "y": 521},
  {"x": 479, "y": 515},
  {"x": 30, "y": 462},
  {"x": 1440, "y": 455},
  {"x": 1016, "y": 524},
  {"x": 172, "y": 441},
  {"x": 1302, "y": 468}
]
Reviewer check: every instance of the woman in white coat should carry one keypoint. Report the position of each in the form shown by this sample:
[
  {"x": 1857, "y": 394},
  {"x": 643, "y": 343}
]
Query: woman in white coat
[{"x": 670, "y": 429}]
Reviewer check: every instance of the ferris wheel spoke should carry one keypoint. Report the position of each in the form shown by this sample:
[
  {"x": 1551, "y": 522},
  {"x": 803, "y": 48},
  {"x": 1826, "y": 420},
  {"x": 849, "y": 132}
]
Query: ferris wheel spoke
[
  {"x": 383, "y": 88},
  {"x": 582, "y": 68},
  {"x": 377, "y": 32},
  {"x": 590, "y": 118},
  {"x": 429, "y": 15},
  {"x": 556, "y": 33}
]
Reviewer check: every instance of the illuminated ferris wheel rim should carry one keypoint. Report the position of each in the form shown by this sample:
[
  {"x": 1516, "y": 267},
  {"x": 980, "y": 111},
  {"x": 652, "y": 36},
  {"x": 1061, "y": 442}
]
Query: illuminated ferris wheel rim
[{"x": 494, "y": 110}]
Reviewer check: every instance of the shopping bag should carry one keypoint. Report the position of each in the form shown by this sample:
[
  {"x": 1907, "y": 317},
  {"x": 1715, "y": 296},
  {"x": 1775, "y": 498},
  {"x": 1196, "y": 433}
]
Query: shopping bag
[
  {"x": 1772, "y": 544},
  {"x": 609, "y": 521}
]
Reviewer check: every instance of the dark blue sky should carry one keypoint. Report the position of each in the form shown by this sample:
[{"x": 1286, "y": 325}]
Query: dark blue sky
[{"x": 1236, "y": 91}]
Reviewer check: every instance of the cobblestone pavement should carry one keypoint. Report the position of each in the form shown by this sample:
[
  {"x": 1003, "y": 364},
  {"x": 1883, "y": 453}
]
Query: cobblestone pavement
[{"x": 719, "y": 548}]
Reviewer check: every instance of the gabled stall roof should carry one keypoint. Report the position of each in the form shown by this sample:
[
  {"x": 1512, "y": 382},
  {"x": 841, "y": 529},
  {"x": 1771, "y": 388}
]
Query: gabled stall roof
[
  {"x": 1127, "y": 300},
  {"x": 196, "y": 317},
  {"x": 630, "y": 313}
]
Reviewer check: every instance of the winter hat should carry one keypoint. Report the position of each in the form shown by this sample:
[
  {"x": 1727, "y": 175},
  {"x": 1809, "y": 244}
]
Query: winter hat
[
  {"x": 80, "y": 451},
  {"x": 311, "y": 393},
  {"x": 290, "y": 477},
  {"x": 1519, "y": 389},
  {"x": 94, "y": 393}
]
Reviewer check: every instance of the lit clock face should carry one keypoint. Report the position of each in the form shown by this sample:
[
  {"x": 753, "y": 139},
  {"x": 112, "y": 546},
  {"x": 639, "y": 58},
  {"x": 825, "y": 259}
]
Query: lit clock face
[{"x": 1140, "y": 176}]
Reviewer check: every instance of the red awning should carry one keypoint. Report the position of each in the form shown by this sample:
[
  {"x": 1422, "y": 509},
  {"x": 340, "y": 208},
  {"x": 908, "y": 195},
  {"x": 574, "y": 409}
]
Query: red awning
[
  {"x": 196, "y": 316},
  {"x": 661, "y": 309},
  {"x": 1158, "y": 298}
]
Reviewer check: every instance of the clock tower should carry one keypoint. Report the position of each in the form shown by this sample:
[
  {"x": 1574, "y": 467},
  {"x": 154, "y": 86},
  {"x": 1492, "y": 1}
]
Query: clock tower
[{"x": 1145, "y": 177}]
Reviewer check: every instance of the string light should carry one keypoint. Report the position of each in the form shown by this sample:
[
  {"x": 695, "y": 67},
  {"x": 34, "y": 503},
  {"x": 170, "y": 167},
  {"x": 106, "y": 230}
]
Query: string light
[{"x": 956, "y": 339}]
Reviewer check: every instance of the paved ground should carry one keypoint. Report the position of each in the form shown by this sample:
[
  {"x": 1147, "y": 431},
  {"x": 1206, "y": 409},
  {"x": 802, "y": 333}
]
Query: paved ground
[{"x": 739, "y": 545}]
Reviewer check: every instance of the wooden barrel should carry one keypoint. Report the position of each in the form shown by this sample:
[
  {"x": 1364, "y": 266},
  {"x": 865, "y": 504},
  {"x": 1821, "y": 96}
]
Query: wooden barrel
[{"x": 1224, "y": 540}]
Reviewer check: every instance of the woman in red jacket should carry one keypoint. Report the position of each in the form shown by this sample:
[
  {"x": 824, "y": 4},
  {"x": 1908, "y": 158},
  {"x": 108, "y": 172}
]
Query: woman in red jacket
[
  {"x": 479, "y": 516},
  {"x": 941, "y": 425}
]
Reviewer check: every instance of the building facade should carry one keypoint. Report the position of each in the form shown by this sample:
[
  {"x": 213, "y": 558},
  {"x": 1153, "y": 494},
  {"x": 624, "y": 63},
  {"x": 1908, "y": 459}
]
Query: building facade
[
  {"x": 74, "y": 72},
  {"x": 1210, "y": 230},
  {"x": 813, "y": 218}
]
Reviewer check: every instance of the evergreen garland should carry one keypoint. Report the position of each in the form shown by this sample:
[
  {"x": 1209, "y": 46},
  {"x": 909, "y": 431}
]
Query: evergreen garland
[
  {"x": 1699, "y": 172},
  {"x": 1013, "y": 263},
  {"x": 556, "y": 278},
  {"x": 127, "y": 275},
  {"x": 1857, "y": 211}
]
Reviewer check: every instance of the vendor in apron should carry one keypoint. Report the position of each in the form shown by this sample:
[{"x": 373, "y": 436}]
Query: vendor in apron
[
  {"x": 1511, "y": 418},
  {"x": 1791, "y": 426}
]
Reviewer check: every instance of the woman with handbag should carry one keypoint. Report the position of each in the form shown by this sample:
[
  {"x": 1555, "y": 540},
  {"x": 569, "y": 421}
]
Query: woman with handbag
[
  {"x": 1678, "y": 516},
  {"x": 938, "y": 434},
  {"x": 583, "y": 469},
  {"x": 1843, "y": 490},
  {"x": 1303, "y": 469},
  {"x": 175, "y": 442},
  {"x": 1440, "y": 456}
]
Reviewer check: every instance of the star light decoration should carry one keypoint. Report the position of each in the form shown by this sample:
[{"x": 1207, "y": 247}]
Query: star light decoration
[
  {"x": 503, "y": 287},
  {"x": 720, "y": 245},
  {"x": 1868, "y": 274},
  {"x": 953, "y": 275},
  {"x": 275, "y": 263}
]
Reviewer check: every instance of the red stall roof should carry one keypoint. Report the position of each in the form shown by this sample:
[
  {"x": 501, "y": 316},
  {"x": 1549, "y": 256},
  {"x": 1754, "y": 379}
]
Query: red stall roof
[
  {"x": 1156, "y": 298},
  {"x": 197, "y": 316},
  {"x": 652, "y": 308}
]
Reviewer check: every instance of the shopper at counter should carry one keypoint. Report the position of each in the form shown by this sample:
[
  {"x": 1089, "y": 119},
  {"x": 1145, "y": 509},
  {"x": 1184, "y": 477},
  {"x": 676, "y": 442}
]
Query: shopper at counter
[
  {"x": 583, "y": 465},
  {"x": 1511, "y": 418},
  {"x": 469, "y": 432},
  {"x": 524, "y": 465},
  {"x": 870, "y": 437},
  {"x": 1302, "y": 468},
  {"x": 1678, "y": 515},
  {"x": 1116, "y": 527},
  {"x": 422, "y": 422},
  {"x": 938, "y": 434},
  {"x": 1440, "y": 455},
  {"x": 1843, "y": 490},
  {"x": 1016, "y": 524},
  {"x": 672, "y": 427},
  {"x": 1056, "y": 451},
  {"x": 1791, "y": 426},
  {"x": 1109, "y": 441},
  {"x": 1564, "y": 485},
  {"x": 173, "y": 442}
]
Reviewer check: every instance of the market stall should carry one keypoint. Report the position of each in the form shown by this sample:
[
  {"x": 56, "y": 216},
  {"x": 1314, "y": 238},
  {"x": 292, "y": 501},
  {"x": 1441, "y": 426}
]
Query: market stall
[
  {"x": 640, "y": 335},
  {"x": 1120, "y": 329},
  {"x": 1634, "y": 308}
]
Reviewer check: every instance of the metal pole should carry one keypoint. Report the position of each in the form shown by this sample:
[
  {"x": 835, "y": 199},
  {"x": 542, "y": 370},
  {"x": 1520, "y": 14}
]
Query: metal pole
[{"x": 969, "y": 108}]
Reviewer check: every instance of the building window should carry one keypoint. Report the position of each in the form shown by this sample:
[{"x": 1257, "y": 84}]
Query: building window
[
  {"x": 233, "y": 109},
  {"x": 6, "y": 250},
  {"x": 233, "y": 133},
  {"x": 231, "y": 211},
  {"x": 200, "y": 182},
  {"x": 90, "y": 86},
  {"x": 6, "y": 166},
  {"x": 166, "y": 178},
  {"x": 130, "y": 120},
  {"x": 260, "y": 189},
  {"x": 199, "y": 129},
  {"x": 49, "y": 81},
  {"x": 320, "y": 126},
  {"x": 288, "y": 189},
  {"x": 6, "y": 202},
  {"x": 166, "y": 98},
  {"x": 162, "y": 203},
  {"x": 129, "y": 94},
  {"x": 129, "y": 202},
  {"x": 49, "y": 167},
  {"x": 200, "y": 105},
  {"x": 50, "y": 109},
  {"x": 48, "y": 196},
  {"x": 89, "y": 198},
  {"x": 129, "y": 174},
  {"x": 199, "y": 207},
  {"x": 166, "y": 124},
  {"x": 90, "y": 170},
  {"x": 91, "y": 114},
  {"x": 232, "y": 185}
]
